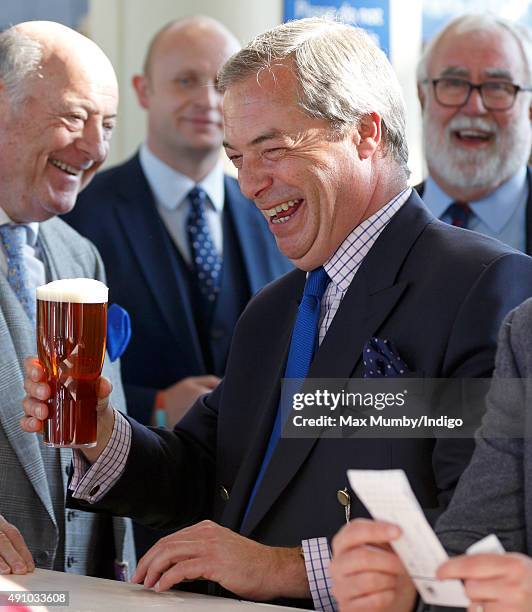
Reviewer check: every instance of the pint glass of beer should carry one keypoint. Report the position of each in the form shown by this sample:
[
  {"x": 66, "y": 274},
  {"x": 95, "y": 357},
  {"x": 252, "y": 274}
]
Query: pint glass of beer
[{"x": 71, "y": 333}]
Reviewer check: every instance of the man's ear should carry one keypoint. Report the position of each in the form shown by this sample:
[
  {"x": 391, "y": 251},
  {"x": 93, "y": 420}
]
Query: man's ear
[
  {"x": 141, "y": 86},
  {"x": 370, "y": 134}
]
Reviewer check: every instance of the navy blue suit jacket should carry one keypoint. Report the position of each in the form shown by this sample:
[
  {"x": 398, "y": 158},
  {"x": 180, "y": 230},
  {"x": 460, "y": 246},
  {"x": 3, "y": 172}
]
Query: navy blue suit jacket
[
  {"x": 117, "y": 212},
  {"x": 438, "y": 292}
]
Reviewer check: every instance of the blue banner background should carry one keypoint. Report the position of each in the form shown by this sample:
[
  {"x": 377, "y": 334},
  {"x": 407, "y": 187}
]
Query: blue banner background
[{"x": 371, "y": 15}]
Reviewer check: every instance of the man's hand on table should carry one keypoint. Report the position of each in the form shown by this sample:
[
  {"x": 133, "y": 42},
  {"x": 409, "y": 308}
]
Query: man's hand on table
[
  {"x": 15, "y": 558},
  {"x": 366, "y": 573},
  {"x": 211, "y": 552},
  {"x": 494, "y": 583},
  {"x": 36, "y": 410}
]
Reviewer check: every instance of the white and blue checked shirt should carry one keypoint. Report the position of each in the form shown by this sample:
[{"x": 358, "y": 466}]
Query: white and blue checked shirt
[{"x": 90, "y": 483}]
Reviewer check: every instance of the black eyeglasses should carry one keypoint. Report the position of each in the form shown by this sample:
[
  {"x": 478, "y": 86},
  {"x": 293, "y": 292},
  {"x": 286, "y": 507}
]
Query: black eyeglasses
[{"x": 496, "y": 95}]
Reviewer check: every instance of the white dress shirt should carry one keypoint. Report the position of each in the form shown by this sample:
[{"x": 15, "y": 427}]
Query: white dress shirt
[{"x": 171, "y": 188}]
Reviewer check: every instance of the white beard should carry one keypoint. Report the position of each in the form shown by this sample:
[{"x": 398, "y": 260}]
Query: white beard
[{"x": 477, "y": 169}]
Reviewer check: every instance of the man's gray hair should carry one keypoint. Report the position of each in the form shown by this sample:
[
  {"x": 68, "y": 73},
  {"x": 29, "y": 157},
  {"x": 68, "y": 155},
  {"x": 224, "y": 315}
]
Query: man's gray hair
[
  {"x": 473, "y": 23},
  {"x": 342, "y": 75},
  {"x": 20, "y": 58}
]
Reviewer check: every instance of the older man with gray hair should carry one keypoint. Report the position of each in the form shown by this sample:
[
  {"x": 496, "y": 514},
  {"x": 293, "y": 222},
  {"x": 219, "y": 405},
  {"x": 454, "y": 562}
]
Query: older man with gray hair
[
  {"x": 314, "y": 124},
  {"x": 58, "y": 102},
  {"x": 474, "y": 80}
]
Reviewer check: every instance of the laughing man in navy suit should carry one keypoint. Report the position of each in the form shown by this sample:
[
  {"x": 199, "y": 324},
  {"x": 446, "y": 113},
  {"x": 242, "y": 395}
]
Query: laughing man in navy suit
[
  {"x": 314, "y": 122},
  {"x": 138, "y": 215}
]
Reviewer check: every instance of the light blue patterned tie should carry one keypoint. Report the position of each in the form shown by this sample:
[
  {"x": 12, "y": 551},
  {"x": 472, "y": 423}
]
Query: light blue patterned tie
[{"x": 13, "y": 238}]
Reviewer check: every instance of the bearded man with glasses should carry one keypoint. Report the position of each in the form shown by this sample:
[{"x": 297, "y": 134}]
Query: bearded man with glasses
[{"x": 474, "y": 86}]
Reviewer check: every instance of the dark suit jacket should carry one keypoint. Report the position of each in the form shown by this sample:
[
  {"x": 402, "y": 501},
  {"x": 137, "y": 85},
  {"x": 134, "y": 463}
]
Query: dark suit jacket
[
  {"x": 440, "y": 293},
  {"x": 528, "y": 214},
  {"x": 117, "y": 212}
]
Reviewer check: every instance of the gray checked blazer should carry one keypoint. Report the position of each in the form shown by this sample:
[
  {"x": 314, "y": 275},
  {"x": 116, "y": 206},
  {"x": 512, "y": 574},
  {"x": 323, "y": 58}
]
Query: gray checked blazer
[
  {"x": 25, "y": 494},
  {"x": 494, "y": 494}
]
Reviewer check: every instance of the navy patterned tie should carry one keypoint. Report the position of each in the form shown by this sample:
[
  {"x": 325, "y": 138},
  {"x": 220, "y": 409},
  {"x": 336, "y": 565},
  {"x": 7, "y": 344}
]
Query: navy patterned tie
[
  {"x": 206, "y": 261},
  {"x": 13, "y": 238},
  {"x": 460, "y": 214}
]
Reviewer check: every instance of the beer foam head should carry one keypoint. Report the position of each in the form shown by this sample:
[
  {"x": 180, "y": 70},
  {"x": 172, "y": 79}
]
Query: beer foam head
[{"x": 79, "y": 290}]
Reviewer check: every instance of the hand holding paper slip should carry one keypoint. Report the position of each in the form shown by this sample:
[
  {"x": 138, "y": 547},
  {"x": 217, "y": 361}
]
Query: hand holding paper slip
[{"x": 388, "y": 497}]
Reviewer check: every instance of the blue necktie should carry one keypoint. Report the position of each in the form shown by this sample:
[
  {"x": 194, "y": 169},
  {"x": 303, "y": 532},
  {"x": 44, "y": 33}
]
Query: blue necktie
[
  {"x": 303, "y": 346},
  {"x": 206, "y": 261},
  {"x": 13, "y": 238},
  {"x": 460, "y": 214}
]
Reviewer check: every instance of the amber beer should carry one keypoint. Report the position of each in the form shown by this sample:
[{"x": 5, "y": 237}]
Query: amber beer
[{"x": 71, "y": 334}]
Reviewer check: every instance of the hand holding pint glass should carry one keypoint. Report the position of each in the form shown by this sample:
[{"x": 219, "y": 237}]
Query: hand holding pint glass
[{"x": 71, "y": 335}]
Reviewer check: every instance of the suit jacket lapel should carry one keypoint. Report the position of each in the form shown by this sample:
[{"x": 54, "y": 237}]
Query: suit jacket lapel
[
  {"x": 369, "y": 301},
  {"x": 18, "y": 342},
  {"x": 258, "y": 438},
  {"x": 151, "y": 246}
]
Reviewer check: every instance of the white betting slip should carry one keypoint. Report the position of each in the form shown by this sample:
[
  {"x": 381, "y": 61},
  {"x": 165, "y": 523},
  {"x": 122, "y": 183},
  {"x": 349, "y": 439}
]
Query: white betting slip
[{"x": 388, "y": 497}]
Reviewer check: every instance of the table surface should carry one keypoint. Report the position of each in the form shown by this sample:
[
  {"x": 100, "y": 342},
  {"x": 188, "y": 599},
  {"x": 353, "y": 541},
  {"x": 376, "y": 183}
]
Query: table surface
[{"x": 88, "y": 594}]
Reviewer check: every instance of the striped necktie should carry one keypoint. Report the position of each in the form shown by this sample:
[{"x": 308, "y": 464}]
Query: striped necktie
[{"x": 460, "y": 213}]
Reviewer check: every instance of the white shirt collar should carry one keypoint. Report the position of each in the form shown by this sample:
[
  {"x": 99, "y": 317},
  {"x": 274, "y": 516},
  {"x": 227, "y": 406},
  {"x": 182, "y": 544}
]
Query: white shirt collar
[
  {"x": 33, "y": 228},
  {"x": 171, "y": 188}
]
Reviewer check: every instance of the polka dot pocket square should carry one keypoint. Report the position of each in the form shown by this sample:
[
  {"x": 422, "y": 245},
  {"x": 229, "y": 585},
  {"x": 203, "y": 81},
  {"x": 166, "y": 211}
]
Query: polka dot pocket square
[{"x": 381, "y": 359}]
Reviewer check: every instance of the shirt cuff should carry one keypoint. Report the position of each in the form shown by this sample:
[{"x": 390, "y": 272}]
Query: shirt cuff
[
  {"x": 317, "y": 559},
  {"x": 91, "y": 482}
]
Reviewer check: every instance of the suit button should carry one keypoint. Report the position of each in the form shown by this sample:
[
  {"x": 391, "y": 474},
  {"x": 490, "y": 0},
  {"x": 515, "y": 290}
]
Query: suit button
[
  {"x": 71, "y": 515},
  {"x": 41, "y": 556},
  {"x": 343, "y": 497},
  {"x": 224, "y": 493},
  {"x": 217, "y": 333},
  {"x": 71, "y": 561}
]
